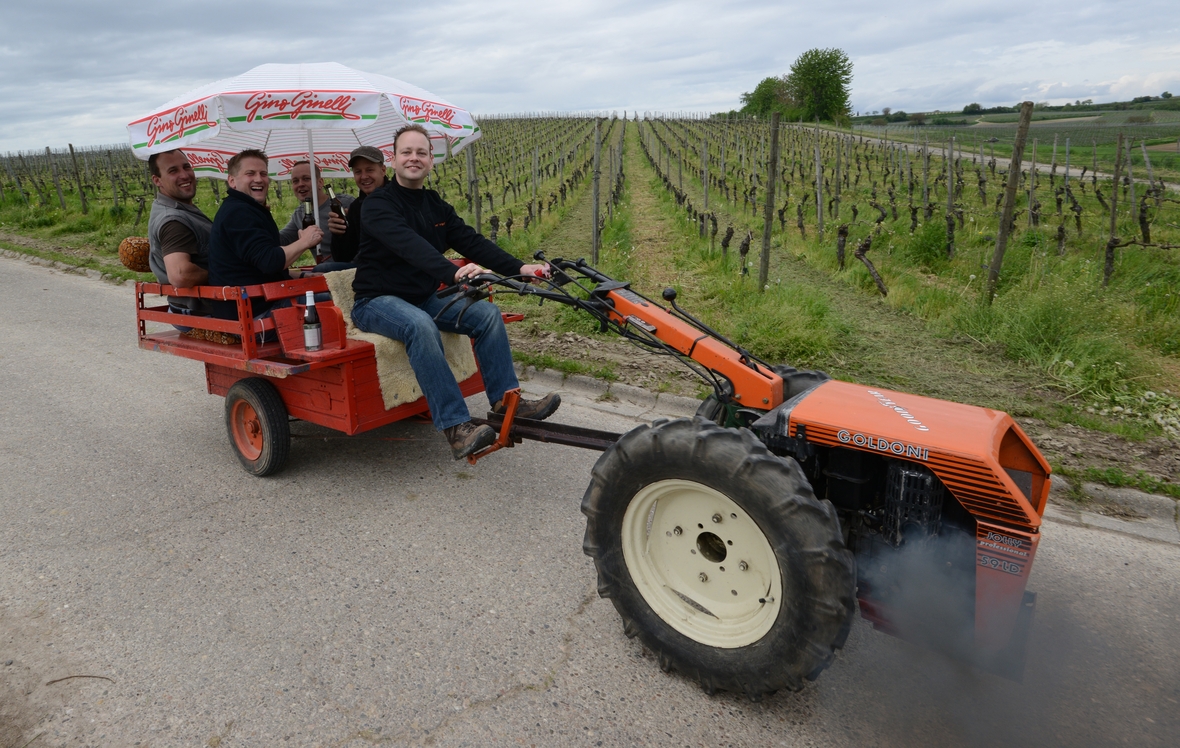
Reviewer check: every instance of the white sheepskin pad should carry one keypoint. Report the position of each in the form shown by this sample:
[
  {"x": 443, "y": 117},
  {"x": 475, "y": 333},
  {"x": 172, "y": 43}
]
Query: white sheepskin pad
[{"x": 398, "y": 383}]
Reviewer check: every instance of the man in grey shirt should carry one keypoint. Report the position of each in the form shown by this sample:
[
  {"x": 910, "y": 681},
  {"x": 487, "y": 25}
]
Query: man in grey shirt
[
  {"x": 301, "y": 186},
  {"x": 178, "y": 232}
]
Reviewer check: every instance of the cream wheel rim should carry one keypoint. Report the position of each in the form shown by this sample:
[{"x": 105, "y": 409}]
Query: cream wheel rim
[{"x": 702, "y": 563}]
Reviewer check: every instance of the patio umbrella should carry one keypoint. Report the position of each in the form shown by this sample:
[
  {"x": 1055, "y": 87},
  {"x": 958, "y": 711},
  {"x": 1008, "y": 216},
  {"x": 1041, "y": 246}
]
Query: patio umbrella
[{"x": 317, "y": 112}]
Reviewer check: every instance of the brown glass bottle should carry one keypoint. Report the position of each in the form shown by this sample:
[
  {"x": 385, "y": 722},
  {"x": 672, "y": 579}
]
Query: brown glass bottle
[
  {"x": 312, "y": 331},
  {"x": 335, "y": 206}
]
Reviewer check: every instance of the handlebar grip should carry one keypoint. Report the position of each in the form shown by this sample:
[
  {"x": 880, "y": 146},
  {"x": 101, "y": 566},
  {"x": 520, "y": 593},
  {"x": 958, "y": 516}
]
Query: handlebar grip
[{"x": 451, "y": 290}]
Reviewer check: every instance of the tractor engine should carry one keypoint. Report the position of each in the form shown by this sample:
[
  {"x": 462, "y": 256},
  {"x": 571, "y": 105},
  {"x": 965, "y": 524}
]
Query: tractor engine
[
  {"x": 940, "y": 504},
  {"x": 913, "y": 503}
]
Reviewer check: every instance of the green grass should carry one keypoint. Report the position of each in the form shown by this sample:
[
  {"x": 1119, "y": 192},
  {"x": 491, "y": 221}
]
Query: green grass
[
  {"x": 115, "y": 271},
  {"x": 1118, "y": 478}
]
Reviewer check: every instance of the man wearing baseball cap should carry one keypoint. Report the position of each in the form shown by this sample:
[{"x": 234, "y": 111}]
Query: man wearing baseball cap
[{"x": 368, "y": 171}]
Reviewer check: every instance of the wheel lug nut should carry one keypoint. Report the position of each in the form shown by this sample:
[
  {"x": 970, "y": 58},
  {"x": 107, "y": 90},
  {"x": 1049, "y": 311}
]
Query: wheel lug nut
[
  {"x": 743, "y": 566},
  {"x": 716, "y": 519},
  {"x": 677, "y": 531},
  {"x": 704, "y": 577}
]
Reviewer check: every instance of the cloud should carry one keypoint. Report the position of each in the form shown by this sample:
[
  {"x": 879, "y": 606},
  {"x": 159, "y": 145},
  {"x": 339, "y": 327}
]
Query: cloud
[{"x": 79, "y": 71}]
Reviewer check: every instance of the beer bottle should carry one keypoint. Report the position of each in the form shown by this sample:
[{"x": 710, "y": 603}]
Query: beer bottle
[
  {"x": 335, "y": 205},
  {"x": 308, "y": 214},
  {"x": 313, "y": 336}
]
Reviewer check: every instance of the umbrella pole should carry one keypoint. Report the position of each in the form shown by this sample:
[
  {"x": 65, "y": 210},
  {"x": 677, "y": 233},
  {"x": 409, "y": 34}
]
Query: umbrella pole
[{"x": 315, "y": 189}]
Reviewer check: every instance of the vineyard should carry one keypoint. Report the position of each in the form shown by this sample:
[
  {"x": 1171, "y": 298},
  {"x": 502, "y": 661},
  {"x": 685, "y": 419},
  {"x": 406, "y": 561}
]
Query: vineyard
[
  {"x": 1088, "y": 141},
  {"x": 813, "y": 246}
]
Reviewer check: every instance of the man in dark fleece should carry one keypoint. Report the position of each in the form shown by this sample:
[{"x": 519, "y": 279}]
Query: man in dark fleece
[
  {"x": 368, "y": 172},
  {"x": 244, "y": 246},
  {"x": 405, "y": 230}
]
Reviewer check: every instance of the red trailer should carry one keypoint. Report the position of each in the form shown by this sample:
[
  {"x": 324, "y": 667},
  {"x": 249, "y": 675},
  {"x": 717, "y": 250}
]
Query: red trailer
[{"x": 265, "y": 374}]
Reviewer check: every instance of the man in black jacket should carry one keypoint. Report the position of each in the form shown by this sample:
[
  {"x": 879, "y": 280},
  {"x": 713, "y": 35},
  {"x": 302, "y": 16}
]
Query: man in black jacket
[
  {"x": 244, "y": 245},
  {"x": 368, "y": 172},
  {"x": 405, "y": 230}
]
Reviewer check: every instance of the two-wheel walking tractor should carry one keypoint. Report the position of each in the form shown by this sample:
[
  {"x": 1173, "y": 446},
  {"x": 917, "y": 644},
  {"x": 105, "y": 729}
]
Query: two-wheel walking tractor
[{"x": 736, "y": 544}]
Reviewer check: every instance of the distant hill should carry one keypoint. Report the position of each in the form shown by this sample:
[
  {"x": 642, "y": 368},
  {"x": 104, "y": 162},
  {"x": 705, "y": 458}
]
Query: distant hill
[{"x": 1158, "y": 109}]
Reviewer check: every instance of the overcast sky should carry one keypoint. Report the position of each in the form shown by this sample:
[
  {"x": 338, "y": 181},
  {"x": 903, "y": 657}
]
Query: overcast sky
[{"x": 79, "y": 71}]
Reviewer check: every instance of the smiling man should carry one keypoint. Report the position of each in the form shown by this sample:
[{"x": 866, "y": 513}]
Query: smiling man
[
  {"x": 178, "y": 232},
  {"x": 244, "y": 244},
  {"x": 368, "y": 172},
  {"x": 405, "y": 231},
  {"x": 301, "y": 185}
]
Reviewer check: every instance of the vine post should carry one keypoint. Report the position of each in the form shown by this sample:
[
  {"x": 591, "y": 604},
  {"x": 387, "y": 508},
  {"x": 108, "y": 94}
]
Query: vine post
[
  {"x": 594, "y": 191},
  {"x": 473, "y": 188},
  {"x": 819, "y": 182},
  {"x": 114, "y": 187},
  {"x": 1032, "y": 181},
  {"x": 993, "y": 272},
  {"x": 1113, "y": 242},
  {"x": 78, "y": 179},
  {"x": 705, "y": 168},
  {"x": 768, "y": 209},
  {"x": 61, "y": 199}
]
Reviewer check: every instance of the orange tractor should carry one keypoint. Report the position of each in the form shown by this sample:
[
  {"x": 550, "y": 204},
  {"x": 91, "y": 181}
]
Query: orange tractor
[{"x": 736, "y": 544}]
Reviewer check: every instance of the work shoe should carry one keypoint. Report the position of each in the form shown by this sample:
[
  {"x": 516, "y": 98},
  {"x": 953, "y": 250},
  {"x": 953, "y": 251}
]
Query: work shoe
[
  {"x": 468, "y": 438},
  {"x": 536, "y": 410}
]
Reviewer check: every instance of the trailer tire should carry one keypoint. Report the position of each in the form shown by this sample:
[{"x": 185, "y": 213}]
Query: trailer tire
[
  {"x": 668, "y": 506},
  {"x": 256, "y": 421}
]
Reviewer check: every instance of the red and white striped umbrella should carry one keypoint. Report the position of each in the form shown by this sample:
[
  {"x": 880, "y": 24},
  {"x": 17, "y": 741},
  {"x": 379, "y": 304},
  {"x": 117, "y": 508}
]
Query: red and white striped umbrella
[{"x": 288, "y": 111}]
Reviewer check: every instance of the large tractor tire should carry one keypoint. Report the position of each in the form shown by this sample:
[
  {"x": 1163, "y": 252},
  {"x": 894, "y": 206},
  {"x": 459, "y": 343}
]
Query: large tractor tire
[
  {"x": 717, "y": 554},
  {"x": 256, "y": 421}
]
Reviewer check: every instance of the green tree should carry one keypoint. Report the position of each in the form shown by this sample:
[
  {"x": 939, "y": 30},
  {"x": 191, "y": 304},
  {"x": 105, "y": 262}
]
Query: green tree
[
  {"x": 819, "y": 81},
  {"x": 768, "y": 96}
]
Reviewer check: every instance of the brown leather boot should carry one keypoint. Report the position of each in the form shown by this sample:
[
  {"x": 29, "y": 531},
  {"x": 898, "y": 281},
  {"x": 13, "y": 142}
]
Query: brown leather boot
[
  {"x": 536, "y": 410},
  {"x": 468, "y": 438}
]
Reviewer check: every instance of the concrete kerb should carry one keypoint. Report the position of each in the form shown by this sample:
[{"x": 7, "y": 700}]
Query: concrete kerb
[
  {"x": 1132, "y": 512},
  {"x": 611, "y": 397}
]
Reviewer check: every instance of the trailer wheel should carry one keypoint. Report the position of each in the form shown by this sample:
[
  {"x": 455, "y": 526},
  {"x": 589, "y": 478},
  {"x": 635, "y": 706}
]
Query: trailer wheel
[
  {"x": 718, "y": 556},
  {"x": 256, "y": 421}
]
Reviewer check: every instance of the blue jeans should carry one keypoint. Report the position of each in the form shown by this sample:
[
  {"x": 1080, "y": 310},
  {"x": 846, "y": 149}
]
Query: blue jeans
[
  {"x": 413, "y": 325},
  {"x": 180, "y": 310}
]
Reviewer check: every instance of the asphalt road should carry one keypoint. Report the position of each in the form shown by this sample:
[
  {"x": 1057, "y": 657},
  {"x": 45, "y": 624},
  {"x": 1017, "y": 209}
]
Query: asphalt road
[{"x": 377, "y": 592}]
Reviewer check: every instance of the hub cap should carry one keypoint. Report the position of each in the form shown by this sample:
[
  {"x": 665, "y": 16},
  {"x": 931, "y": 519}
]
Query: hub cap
[
  {"x": 247, "y": 430},
  {"x": 701, "y": 563}
]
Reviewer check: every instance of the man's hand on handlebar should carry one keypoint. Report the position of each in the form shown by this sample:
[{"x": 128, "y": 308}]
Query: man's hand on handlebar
[
  {"x": 540, "y": 270},
  {"x": 467, "y": 271}
]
